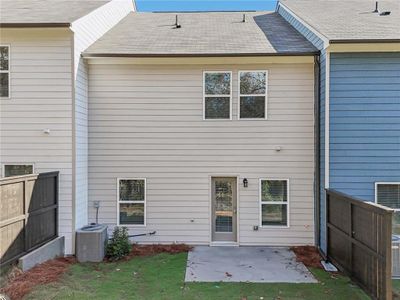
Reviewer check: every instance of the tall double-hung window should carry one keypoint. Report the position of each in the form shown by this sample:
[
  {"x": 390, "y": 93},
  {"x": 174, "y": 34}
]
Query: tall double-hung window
[
  {"x": 274, "y": 202},
  {"x": 217, "y": 95},
  {"x": 131, "y": 201},
  {"x": 253, "y": 94},
  {"x": 4, "y": 71}
]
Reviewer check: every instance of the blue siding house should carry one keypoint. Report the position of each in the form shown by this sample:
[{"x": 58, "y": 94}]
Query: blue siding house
[{"x": 359, "y": 95}]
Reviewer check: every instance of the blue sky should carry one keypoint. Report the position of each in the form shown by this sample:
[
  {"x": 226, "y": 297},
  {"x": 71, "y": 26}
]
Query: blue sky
[{"x": 204, "y": 5}]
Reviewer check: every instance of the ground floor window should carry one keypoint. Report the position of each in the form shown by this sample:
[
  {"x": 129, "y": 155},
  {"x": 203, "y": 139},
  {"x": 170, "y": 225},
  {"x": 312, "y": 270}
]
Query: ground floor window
[
  {"x": 388, "y": 194},
  {"x": 274, "y": 202},
  {"x": 17, "y": 169},
  {"x": 131, "y": 201}
]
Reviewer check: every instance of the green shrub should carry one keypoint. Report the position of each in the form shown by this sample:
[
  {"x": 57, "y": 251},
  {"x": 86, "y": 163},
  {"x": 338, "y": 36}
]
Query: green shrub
[{"x": 118, "y": 246}]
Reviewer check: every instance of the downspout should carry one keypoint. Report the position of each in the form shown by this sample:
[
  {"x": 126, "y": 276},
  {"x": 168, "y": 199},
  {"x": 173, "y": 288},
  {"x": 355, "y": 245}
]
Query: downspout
[{"x": 317, "y": 88}]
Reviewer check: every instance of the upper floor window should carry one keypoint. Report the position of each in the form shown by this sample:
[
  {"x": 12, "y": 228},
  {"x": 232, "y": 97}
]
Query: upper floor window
[
  {"x": 253, "y": 94},
  {"x": 217, "y": 95},
  {"x": 17, "y": 169},
  {"x": 132, "y": 201},
  {"x": 4, "y": 71}
]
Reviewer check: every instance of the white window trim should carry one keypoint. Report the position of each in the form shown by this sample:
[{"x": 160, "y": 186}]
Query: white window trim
[
  {"x": 8, "y": 71},
  {"x": 215, "y": 96},
  {"x": 3, "y": 167},
  {"x": 287, "y": 203},
  {"x": 376, "y": 191},
  {"x": 133, "y": 202},
  {"x": 258, "y": 95}
]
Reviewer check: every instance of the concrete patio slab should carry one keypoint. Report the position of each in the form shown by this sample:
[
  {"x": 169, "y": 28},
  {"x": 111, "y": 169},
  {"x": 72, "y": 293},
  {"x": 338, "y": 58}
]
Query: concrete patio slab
[{"x": 245, "y": 264}]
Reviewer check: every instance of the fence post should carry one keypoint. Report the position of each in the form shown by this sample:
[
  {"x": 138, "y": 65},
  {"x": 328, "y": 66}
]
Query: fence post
[
  {"x": 326, "y": 224},
  {"x": 26, "y": 205},
  {"x": 387, "y": 263}
]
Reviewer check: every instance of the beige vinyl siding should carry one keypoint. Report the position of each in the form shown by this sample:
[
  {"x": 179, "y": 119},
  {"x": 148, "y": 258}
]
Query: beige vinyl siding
[
  {"x": 40, "y": 98},
  {"x": 147, "y": 122},
  {"x": 86, "y": 31}
]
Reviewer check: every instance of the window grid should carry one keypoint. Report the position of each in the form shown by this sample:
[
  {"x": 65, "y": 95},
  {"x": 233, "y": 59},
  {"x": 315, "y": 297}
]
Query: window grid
[
  {"x": 144, "y": 201},
  {"x": 275, "y": 202},
  {"x": 253, "y": 95},
  {"x": 216, "y": 96},
  {"x": 384, "y": 183},
  {"x": 7, "y": 71}
]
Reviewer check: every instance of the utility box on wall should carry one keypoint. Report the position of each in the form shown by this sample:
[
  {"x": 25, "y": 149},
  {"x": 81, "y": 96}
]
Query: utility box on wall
[{"x": 91, "y": 243}]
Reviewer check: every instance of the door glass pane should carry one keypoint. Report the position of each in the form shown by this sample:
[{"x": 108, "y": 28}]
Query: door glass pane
[{"x": 223, "y": 205}]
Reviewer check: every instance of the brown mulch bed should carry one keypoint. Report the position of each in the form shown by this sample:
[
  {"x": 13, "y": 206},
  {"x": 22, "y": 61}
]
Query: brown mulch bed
[
  {"x": 308, "y": 255},
  {"x": 148, "y": 250},
  {"x": 21, "y": 284}
]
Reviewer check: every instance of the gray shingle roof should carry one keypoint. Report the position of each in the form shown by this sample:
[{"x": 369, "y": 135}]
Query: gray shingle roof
[
  {"x": 349, "y": 19},
  {"x": 201, "y": 34},
  {"x": 50, "y": 12}
]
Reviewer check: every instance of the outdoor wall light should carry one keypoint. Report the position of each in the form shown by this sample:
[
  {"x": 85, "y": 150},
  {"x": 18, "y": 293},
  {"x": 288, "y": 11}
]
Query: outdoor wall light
[{"x": 245, "y": 183}]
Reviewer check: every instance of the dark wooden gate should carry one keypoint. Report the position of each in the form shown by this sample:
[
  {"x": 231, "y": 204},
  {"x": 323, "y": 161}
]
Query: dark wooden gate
[
  {"x": 28, "y": 213},
  {"x": 359, "y": 236}
]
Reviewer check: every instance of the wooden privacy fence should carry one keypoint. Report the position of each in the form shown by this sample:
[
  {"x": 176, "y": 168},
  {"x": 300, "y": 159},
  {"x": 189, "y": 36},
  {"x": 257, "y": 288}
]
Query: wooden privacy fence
[
  {"x": 359, "y": 241},
  {"x": 28, "y": 213}
]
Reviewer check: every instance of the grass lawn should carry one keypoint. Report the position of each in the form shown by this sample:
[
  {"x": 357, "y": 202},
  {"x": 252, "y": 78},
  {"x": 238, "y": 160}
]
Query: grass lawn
[
  {"x": 162, "y": 277},
  {"x": 396, "y": 288}
]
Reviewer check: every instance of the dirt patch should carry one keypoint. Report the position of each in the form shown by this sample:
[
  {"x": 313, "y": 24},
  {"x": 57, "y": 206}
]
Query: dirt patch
[
  {"x": 308, "y": 255},
  {"x": 47, "y": 272},
  {"x": 147, "y": 250}
]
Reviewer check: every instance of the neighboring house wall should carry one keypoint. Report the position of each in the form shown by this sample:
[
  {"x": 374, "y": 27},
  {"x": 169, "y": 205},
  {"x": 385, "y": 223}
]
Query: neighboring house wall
[
  {"x": 40, "y": 98},
  {"x": 86, "y": 31},
  {"x": 365, "y": 122},
  {"x": 147, "y": 122},
  {"x": 320, "y": 44}
]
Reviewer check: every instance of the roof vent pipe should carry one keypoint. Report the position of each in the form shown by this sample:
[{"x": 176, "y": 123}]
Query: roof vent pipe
[
  {"x": 244, "y": 18},
  {"x": 376, "y": 7},
  {"x": 177, "y": 25}
]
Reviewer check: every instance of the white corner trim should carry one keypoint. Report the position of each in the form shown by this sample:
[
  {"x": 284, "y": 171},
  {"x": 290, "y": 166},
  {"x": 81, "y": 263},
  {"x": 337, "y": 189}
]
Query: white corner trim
[
  {"x": 308, "y": 26},
  {"x": 327, "y": 119}
]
